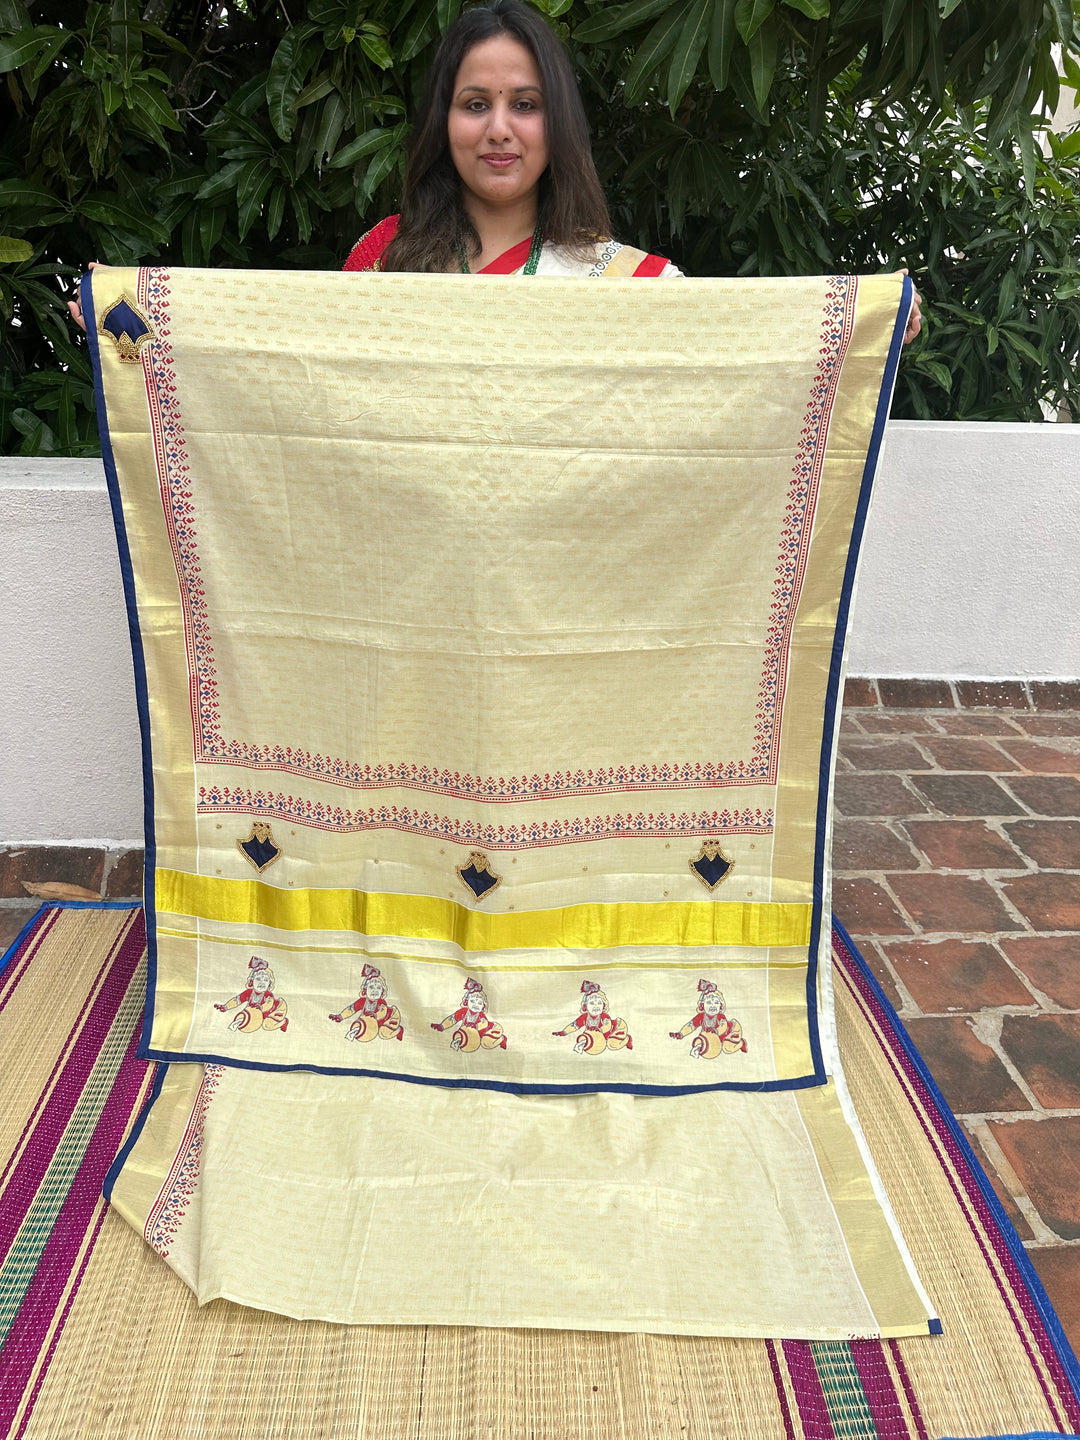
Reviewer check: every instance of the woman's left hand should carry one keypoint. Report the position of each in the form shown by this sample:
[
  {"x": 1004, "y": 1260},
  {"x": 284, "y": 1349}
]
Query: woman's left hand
[
  {"x": 914, "y": 324},
  {"x": 75, "y": 306}
]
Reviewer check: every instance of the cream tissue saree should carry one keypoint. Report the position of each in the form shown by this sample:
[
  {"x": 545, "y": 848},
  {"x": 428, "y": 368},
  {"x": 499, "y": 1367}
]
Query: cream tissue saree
[{"x": 489, "y": 636}]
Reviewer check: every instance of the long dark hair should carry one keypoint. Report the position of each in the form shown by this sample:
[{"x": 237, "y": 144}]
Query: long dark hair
[{"x": 572, "y": 208}]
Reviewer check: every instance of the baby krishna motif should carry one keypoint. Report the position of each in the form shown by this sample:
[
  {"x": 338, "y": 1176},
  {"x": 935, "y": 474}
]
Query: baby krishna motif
[
  {"x": 371, "y": 1013},
  {"x": 259, "y": 1008},
  {"x": 473, "y": 1028},
  {"x": 596, "y": 1030},
  {"x": 714, "y": 1034}
]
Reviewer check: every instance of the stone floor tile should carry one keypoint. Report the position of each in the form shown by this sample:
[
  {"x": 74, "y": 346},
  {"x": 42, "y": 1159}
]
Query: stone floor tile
[
  {"x": 1051, "y": 844},
  {"x": 872, "y": 955},
  {"x": 1049, "y": 900},
  {"x": 963, "y": 845},
  {"x": 952, "y": 902},
  {"x": 895, "y": 722},
  {"x": 1041, "y": 757},
  {"x": 1058, "y": 1267},
  {"x": 1062, "y": 722},
  {"x": 1020, "y": 1225},
  {"x": 74, "y": 865},
  {"x": 869, "y": 845},
  {"x": 916, "y": 694},
  {"x": 1050, "y": 962},
  {"x": 1003, "y": 694},
  {"x": 1046, "y": 1051},
  {"x": 125, "y": 879},
  {"x": 943, "y": 975},
  {"x": 858, "y": 693},
  {"x": 866, "y": 753},
  {"x": 966, "y": 795},
  {"x": 969, "y": 1074},
  {"x": 1045, "y": 1154},
  {"x": 12, "y": 920},
  {"x": 864, "y": 908},
  {"x": 957, "y": 752},
  {"x": 982, "y": 722},
  {"x": 1046, "y": 794},
  {"x": 878, "y": 795},
  {"x": 1056, "y": 694}
]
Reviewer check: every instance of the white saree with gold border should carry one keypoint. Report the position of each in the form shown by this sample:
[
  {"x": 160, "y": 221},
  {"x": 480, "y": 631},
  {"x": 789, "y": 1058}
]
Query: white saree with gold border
[{"x": 489, "y": 638}]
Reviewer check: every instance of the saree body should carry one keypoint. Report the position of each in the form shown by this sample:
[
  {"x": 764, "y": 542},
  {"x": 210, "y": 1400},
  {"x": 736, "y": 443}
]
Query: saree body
[{"x": 492, "y": 640}]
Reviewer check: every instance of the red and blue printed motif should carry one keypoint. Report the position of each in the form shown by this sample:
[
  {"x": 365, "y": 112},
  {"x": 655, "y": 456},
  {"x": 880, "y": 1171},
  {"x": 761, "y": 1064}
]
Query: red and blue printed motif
[{"x": 216, "y": 800}]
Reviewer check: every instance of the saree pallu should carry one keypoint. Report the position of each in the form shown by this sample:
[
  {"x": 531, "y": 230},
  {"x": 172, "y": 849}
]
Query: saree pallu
[{"x": 490, "y": 637}]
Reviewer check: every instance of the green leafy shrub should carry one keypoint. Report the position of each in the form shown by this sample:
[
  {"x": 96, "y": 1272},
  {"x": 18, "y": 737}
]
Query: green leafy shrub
[{"x": 738, "y": 136}]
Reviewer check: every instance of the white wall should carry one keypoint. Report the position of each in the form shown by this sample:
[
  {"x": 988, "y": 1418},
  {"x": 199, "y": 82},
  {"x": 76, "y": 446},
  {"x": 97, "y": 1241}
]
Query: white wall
[
  {"x": 970, "y": 570},
  {"x": 971, "y": 559},
  {"x": 69, "y": 733}
]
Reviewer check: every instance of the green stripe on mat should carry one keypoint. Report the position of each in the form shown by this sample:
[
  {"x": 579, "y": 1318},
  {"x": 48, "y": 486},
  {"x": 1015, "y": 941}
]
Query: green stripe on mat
[
  {"x": 22, "y": 1259},
  {"x": 845, "y": 1398}
]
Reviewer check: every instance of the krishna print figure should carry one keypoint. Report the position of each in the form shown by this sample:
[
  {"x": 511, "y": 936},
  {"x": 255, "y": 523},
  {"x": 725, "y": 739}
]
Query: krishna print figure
[
  {"x": 473, "y": 1028},
  {"x": 372, "y": 1013},
  {"x": 259, "y": 1008},
  {"x": 714, "y": 1034},
  {"x": 596, "y": 1029}
]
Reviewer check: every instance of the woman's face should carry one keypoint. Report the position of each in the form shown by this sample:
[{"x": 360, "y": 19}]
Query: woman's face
[{"x": 496, "y": 122}]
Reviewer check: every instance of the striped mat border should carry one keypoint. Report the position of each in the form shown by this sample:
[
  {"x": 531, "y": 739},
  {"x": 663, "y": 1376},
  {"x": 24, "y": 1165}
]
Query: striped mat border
[
  {"x": 51, "y": 1205},
  {"x": 51, "y": 1210}
]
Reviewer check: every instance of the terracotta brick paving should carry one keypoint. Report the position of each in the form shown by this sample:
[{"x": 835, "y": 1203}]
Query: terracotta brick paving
[{"x": 957, "y": 871}]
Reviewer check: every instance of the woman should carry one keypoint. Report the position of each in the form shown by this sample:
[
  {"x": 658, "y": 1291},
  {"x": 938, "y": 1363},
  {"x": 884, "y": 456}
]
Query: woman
[{"x": 500, "y": 177}]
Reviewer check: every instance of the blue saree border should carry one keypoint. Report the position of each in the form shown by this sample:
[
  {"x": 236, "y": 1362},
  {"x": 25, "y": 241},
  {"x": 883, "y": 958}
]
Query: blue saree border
[
  {"x": 138, "y": 661},
  {"x": 833, "y": 695},
  {"x": 817, "y": 1076},
  {"x": 509, "y": 1087},
  {"x": 1035, "y": 1288},
  {"x": 113, "y": 1172}
]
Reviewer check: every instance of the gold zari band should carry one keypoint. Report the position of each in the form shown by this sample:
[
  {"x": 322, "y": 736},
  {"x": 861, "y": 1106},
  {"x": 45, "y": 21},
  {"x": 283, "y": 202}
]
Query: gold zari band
[{"x": 424, "y": 917}]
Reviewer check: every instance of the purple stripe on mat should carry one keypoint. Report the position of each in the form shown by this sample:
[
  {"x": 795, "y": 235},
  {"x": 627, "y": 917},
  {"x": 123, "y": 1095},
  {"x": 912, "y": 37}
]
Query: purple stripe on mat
[
  {"x": 781, "y": 1391},
  {"x": 92, "y": 1030},
  {"x": 77, "y": 1224},
  {"x": 62, "y": 1056},
  {"x": 909, "y": 1390},
  {"x": 903, "y": 1068},
  {"x": 15, "y": 968},
  {"x": 32, "y": 1398},
  {"x": 809, "y": 1396},
  {"x": 890, "y": 1422}
]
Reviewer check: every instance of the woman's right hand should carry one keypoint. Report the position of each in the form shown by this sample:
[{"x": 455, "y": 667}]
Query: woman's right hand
[{"x": 76, "y": 308}]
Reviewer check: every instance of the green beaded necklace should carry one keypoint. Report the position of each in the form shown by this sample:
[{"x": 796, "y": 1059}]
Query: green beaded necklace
[{"x": 530, "y": 264}]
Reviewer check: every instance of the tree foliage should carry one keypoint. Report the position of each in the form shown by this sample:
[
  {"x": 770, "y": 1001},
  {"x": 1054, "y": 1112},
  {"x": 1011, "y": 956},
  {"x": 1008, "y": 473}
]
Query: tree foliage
[{"x": 739, "y": 136}]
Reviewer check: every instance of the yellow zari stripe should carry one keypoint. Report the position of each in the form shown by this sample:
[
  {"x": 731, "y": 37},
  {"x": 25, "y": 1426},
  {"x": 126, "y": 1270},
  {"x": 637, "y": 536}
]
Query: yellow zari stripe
[{"x": 424, "y": 917}]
